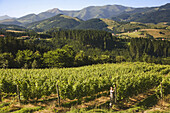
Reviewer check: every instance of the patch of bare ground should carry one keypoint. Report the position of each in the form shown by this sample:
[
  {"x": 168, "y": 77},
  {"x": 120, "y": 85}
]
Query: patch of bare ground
[
  {"x": 136, "y": 99},
  {"x": 53, "y": 109},
  {"x": 97, "y": 102},
  {"x": 50, "y": 103},
  {"x": 162, "y": 106}
]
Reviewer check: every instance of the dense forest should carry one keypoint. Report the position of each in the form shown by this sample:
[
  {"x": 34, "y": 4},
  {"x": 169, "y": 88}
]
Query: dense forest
[{"x": 69, "y": 48}]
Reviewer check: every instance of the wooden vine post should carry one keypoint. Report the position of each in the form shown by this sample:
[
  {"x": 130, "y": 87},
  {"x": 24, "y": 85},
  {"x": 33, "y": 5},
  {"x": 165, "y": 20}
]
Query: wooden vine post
[
  {"x": 161, "y": 91},
  {"x": 115, "y": 93},
  {"x": 18, "y": 93},
  {"x": 161, "y": 94},
  {"x": 0, "y": 96},
  {"x": 57, "y": 90}
]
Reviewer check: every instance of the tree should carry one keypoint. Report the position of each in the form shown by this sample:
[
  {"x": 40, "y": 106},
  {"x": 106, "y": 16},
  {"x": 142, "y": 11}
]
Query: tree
[
  {"x": 71, "y": 55},
  {"x": 24, "y": 57},
  {"x": 6, "y": 60},
  {"x": 2, "y": 43},
  {"x": 58, "y": 58},
  {"x": 34, "y": 64},
  {"x": 120, "y": 59},
  {"x": 81, "y": 59},
  {"x": 37, "y": 60}
]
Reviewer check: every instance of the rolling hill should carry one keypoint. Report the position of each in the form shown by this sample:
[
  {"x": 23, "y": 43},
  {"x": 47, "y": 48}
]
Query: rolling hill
[
  {"x": 5, "y": 17},
  {"x": 10, "y": 22},
  {"x": 92, "y": 24},
  {"x": 59, "y": 21},
  {"x": 67, "y": 22},
  {"x": 10, "y": 27},
  {"x": 146, "y": 15}
]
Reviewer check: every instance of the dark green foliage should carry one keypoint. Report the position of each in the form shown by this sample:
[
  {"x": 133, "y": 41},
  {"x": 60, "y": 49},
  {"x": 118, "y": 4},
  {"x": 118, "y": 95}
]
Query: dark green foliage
[
  {"x": 148, "y": 102},
  {"x": 12, "y": 27},
  {"x": 95, "y": 24},
  {"x": 150, "y": 50},
  {"x": 6, "y": 85},
  {"x": 7, "y": 60},
  {"x": 28, "y": 59},
  {"x": 129, "y": 27},
  {"x": 28, "y": 110},
  {"x": 10, "y": 44},
  {"x": 89, "y": 38},
  {"x": 59, "y": 58},
  {"x": 66, "y": 48}
]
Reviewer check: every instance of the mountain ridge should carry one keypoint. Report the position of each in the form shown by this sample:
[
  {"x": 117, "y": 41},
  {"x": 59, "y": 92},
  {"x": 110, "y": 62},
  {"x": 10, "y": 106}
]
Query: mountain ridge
[
  {"x": 106, "y": 11},
  {"x": 116, "y": 12},
  {"x": 146, "y": 15},
  {"x": 5, "y": 17}
]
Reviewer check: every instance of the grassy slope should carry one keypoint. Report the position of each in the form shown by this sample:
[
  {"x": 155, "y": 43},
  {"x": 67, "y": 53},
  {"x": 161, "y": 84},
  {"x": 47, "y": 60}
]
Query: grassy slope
[
  {"x": 156, "y": 33},
  {"x": 133, "y": 34},
  {"x": 111, "y": 24},
  {"x": 59, "y": 21}
]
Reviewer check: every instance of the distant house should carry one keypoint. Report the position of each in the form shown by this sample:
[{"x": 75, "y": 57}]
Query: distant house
[
  {"x": 114, "y": 34},
  {"x": 25, "y": 37},
  {"x": 2, "y": 35}
]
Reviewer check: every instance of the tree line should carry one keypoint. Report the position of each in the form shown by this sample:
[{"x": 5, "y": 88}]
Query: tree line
[{"x": 68, "y": 48}]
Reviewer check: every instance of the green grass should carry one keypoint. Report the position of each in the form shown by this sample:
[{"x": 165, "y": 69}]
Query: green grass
[
  {"x": 134, "y": 34},
  {"x": 28, "y": 110},
  {"x": 4, "y": 104}
]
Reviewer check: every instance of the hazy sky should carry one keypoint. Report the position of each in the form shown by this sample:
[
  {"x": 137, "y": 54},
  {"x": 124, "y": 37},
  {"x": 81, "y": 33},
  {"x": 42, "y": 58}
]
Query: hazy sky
[{"x": 18, "y": 8}]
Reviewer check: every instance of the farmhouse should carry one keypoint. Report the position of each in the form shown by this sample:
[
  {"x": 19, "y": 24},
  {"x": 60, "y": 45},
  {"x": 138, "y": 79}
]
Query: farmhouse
[
  {"x": 25, "y": 37},
  {"x": 2, "y": 35}
]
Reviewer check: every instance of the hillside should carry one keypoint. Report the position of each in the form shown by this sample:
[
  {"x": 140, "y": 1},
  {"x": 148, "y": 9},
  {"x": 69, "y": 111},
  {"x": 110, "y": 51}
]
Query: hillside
[
  {"x": 148, "y": 15},
  {"x": 5, "y": 17},
  {"x": 28, "y": 18},
  {"x": 67, "y": 22},
  {"x": 99, "y": 24},
  {"x": 59, "y": 21},
  {"x": 11, "y": 27},
  {"x": 92, "y": 24},
  {"x": 10, "y": 22},
  {"x": 99, "y": 11}
]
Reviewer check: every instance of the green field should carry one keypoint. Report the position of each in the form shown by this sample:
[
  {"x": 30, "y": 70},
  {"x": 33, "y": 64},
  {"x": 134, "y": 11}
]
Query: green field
[
  {"x": 79, "y": 85},
  {"x": 156, "y": 33}
]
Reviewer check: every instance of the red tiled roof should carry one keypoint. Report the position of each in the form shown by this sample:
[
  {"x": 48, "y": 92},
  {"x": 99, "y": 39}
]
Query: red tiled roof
[
  {"x": 25, "y": 36},
  {"x": 2, "y": 35}
]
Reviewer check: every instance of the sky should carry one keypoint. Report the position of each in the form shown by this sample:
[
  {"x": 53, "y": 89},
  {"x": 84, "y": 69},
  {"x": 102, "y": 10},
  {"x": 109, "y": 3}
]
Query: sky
[{"x": 18, "y": 8}]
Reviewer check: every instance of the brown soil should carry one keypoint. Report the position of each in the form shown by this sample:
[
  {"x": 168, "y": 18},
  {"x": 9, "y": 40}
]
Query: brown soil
[{"x": 51, "y": 103}]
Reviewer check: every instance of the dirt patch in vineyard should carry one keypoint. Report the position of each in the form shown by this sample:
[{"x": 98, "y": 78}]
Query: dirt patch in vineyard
[
  {"x": 96, "y": 102},
  {"x": 50, "y": 103},
  {"x": 135, "y": 99},
  {"x": 162, "y": 106}
]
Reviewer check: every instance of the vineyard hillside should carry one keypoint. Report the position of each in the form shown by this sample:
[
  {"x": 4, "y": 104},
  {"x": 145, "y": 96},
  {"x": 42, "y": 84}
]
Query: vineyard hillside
[{"x": 84, "y": 86}]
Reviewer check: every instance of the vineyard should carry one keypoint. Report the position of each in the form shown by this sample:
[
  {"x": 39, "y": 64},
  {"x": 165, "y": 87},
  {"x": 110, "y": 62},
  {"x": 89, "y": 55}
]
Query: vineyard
[{"x": 75, "y": 83}]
